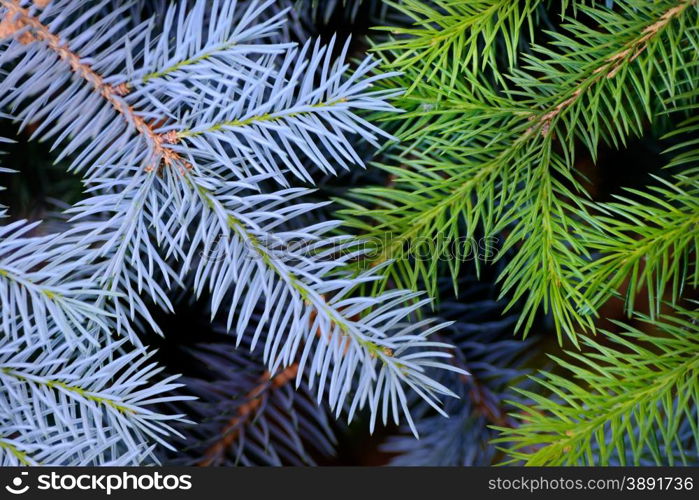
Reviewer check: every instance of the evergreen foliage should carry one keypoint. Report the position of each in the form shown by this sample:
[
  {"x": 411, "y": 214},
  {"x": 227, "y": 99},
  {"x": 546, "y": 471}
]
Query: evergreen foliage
[
  {"x": 506, "y": 105},
  {"x": 632, "y": 400},
  {"x": 186, "y": 132},
  {"x": 495, "y": 148},
  {"x": 483, "y": 341},
  {"x": 463, "y": 158},
  {"x": 244, "y": 415}
]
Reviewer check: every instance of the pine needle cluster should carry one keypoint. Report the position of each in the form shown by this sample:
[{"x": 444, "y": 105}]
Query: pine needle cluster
[{"x": 507, "y": 104}]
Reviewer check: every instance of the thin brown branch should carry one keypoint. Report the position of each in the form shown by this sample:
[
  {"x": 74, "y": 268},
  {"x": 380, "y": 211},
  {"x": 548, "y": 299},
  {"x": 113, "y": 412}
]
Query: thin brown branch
[
  {"x": 245, "y": 413},
  {"x": 231, "y": 431},
  {"x": 19, "y": 22},
  {"x": 611, "y": 66}
]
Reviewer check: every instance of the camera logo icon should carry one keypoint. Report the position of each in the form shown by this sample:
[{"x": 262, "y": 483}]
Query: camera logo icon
[{"x": 16, "y": 487}]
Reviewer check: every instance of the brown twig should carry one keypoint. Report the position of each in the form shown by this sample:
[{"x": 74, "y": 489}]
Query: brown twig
[
  {"x": 611, "y": 66},
  {"x": 253, "y": 401}
]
